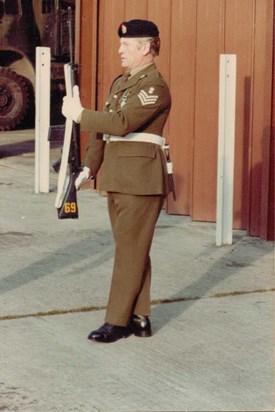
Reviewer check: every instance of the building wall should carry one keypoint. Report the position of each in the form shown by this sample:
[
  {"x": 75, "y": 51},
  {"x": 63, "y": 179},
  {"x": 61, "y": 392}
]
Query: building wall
[{"x": 194, "y": 33}]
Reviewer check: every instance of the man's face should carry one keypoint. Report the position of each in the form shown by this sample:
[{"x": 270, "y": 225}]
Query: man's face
[{"x": 132, "y": 53}]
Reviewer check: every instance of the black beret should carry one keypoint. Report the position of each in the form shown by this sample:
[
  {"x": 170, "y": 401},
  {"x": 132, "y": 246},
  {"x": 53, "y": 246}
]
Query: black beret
[{"x": 138, "y": 28}]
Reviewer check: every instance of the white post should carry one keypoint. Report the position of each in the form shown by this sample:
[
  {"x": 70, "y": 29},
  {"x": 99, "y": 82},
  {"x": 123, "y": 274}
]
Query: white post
[
  {"x": 226, "y": 146},
  {"x": 42, "y": 119}
]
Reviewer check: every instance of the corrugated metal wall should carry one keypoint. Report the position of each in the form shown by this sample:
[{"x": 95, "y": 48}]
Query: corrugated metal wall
[{"x": 194, "y": 33}]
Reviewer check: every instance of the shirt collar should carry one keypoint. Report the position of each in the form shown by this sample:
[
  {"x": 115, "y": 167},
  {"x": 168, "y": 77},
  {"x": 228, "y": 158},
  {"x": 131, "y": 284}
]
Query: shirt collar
[{"x": 138, "y": 69}]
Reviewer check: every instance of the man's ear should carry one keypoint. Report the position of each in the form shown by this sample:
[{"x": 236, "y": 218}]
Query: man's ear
[{"x": 146, "y": 48}]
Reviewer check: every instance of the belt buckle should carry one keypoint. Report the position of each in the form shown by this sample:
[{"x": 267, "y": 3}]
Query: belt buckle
[{"x": 106, "y": 138}]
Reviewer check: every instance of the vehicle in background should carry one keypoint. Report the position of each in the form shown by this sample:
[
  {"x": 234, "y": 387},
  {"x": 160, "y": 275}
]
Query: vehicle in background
[{"x": 25, "y": 25}]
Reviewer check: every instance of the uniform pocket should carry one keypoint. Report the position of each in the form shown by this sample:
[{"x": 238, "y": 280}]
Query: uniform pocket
[{"x": 136, "y": 149}]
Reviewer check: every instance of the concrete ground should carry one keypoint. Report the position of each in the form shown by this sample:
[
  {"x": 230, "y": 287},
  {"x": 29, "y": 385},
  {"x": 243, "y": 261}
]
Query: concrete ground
[{"x": 212, "y": 309}]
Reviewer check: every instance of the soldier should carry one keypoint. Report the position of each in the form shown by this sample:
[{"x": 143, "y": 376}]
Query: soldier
[{"x": 127, "y": 144}]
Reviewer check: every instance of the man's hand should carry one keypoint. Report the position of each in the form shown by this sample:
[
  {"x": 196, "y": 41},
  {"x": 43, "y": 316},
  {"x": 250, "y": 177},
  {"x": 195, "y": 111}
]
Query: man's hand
[
  {"x": 72, "y": 107},
  {"x": 82, "y": 177}
]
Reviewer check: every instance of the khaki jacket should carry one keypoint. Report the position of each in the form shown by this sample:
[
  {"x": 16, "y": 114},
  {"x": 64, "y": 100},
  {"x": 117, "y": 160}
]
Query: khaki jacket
[{"x": 140, "y": 104}]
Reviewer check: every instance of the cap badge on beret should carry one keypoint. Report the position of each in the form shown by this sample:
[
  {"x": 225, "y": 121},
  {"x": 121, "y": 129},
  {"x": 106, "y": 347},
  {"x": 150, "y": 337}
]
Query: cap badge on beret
[{"x": 123, "y": 29}]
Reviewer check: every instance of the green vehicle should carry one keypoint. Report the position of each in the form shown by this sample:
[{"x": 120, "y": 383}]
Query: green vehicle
[{"x": 25, "y": 25}]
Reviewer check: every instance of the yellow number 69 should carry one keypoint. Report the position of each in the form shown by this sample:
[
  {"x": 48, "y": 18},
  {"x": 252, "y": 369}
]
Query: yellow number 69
[{"x": 70, "y": 207}]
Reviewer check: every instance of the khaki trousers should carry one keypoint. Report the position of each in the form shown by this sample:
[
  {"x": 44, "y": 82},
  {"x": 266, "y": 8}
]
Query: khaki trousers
[{"x": 133, "y": 220}]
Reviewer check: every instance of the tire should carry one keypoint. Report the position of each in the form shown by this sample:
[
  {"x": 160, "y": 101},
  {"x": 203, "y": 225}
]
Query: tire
[{"x": 15, "y": 96}]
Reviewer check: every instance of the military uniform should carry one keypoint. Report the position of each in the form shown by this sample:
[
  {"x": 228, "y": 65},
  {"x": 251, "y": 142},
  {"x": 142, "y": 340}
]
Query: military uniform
[
  {"x": 140, "y": 105},
  {"x": 134, "y": 175}
]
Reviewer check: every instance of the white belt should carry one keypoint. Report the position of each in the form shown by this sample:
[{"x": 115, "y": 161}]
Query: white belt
[{"x": 136, "y": 137}]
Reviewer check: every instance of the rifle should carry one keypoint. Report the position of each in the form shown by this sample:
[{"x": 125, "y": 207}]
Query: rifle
[{"x": 66, "y": 199}]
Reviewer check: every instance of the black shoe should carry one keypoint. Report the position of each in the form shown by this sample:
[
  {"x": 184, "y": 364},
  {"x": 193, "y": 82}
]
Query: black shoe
[
  {"x": 140, "y": 326},
  {"x": 109, "y": 333}
]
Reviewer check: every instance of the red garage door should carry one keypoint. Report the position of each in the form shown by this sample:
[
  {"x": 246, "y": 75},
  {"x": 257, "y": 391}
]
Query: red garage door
[{"x": 194, "y": 33}]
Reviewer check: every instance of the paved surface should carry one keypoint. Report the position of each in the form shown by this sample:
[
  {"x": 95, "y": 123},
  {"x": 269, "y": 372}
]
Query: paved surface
[{"x": 212, "y": 312}]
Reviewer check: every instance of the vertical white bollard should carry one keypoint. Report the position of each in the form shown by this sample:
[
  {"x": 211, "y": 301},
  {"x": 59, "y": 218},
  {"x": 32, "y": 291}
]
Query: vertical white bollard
[
  {"x": 226, "y": 147},
  {"x": 42, "y": 119}
]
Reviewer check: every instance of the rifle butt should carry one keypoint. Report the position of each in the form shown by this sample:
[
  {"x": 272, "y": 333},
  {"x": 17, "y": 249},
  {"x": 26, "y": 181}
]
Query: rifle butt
[{"x": 69, "y": 208}]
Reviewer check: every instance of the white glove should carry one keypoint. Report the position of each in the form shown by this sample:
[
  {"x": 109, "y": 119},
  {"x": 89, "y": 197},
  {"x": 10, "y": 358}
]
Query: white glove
[
  {"x": 72, "y": 107},
  {"x": 82, "y": 177}
]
